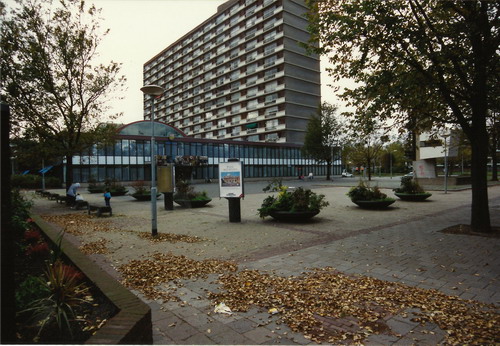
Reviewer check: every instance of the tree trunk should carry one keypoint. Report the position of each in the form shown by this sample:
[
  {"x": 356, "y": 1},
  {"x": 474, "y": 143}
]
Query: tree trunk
[
  {"x": 328, "y": 170},
  {"x": 494, "y": 160},
  {"x": 8, "y": 312},
  {"x": 69, "y": 171},
  {"x": 480, "y": 213}
]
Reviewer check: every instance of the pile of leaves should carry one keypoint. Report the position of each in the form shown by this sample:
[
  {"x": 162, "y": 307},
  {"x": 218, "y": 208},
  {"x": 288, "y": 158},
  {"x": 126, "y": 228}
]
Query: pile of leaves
[
  {"x": 169, "y": 237},
  {"x": 314, "y": 301},
  {"x": 147, "y": 275},
  {"x": 79, "y": 224},
  {"x": 95, "y": 247}
]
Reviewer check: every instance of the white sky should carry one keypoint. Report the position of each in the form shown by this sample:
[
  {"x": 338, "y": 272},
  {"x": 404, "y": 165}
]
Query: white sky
[{"x": 140, "y": 29}]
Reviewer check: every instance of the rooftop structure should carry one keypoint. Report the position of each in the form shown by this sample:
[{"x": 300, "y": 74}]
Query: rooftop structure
[{"x": 240, "y": 75}]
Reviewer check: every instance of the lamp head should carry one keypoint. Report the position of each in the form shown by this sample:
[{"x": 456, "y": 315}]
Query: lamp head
[{"x": 153, "y": 90}]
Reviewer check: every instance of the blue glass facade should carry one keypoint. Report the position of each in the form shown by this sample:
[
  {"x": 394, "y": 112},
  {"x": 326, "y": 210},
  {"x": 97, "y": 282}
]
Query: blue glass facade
[{"x": 129, "y": 158}]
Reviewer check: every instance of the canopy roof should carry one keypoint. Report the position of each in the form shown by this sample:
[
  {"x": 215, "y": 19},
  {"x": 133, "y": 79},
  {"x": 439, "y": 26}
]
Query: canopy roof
[{"x": 143, "y": 129}]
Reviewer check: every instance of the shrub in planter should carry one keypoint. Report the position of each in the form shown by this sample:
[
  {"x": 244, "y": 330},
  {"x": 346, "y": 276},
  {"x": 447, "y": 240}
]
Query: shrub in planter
[
  {"x": 292, "y": 205},
  {"x": 142, "y": 191},
  {"x": 369, "y": 197},
  {"x": 187, "y": 197},
  {"x": 410, "y": 190}
]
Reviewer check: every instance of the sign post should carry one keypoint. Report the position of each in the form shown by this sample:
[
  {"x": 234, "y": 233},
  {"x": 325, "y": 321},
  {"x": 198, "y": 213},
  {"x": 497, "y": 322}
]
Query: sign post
[
  {"x": 231, "y": 186},
  {"x": 166, "y": 181}
]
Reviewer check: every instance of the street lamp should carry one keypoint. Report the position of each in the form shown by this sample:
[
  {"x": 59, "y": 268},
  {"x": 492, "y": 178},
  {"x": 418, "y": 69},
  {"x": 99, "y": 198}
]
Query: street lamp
[
  {"x": 445, "y": 163},
  {"x": 154, "y": 91},
  {"x": 390, "y": 160}
]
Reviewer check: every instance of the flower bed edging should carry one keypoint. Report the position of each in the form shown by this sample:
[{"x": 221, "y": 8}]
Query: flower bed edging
[{"x": 132, "y": 324}]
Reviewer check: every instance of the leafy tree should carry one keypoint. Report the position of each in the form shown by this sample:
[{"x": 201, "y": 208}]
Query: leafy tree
[
  {"x": 322, "y": 135},
  {"x": 366, "y": 143},
  {"x": 420, "y": 62},
  {"x": 50, "y": 80}
]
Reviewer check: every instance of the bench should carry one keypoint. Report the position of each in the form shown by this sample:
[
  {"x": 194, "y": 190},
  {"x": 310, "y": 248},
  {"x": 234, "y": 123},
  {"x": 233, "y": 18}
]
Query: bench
[
  {"x": 45, "y": 193},
  {"x": 53, "y": 196},
  {"x": 61, "y": 199},
  {"x": 39, "y": 192},
  {"x": 80, "y": 205},
  {"x": 99, "y": 210}
]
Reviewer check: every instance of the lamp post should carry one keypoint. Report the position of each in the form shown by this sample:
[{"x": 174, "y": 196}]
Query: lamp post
[
  {"x": 445, "y": 164},
  {"x": 154, "y": 91},
  {"x": 390, "y": 160}
]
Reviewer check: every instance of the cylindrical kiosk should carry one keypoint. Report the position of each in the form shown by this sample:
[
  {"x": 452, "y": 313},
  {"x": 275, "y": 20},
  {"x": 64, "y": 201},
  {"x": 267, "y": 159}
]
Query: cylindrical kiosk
[
  {"x": 231, "y": 186},
  {"x": 166, "y": 178}
]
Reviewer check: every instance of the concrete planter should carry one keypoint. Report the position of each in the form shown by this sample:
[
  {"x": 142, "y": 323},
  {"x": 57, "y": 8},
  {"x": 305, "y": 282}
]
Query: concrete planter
[{"x": 413, "y": 197}]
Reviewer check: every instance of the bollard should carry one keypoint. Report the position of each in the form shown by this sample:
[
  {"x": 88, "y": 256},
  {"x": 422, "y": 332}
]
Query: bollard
[
  {"x": 168, "y": 198},
  {"x": 234, "y": 209}
]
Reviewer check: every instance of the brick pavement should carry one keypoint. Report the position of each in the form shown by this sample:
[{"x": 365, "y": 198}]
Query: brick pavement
[
  {"x": 401, "y": 245},
  {"x": 413, "y": 253}
]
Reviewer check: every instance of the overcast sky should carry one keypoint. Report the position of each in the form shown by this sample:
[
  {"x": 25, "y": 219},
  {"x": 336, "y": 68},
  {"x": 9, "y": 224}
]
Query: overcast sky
[{"x": 140, "y": 29}]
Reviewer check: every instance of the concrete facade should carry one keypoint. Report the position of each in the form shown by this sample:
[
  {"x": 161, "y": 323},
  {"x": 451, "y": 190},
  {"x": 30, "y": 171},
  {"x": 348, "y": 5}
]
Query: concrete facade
[{"x": 240, "y": 75}]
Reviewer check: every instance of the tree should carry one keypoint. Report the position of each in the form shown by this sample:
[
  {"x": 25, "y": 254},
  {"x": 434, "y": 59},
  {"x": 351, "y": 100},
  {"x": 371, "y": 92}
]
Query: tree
[
  {"x": 50, "y": 80},
  {"x": 431, "y": 62},
  {"x": 322, "y": 134},
  {"x": 367, "y": 142}
]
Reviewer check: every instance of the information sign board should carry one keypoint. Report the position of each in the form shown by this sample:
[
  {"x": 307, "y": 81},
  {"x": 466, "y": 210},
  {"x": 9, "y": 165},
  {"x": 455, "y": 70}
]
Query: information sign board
[{"x": 231, "y": 179}]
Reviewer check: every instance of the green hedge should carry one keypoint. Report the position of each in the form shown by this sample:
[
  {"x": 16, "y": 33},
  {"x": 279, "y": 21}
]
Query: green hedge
[{"x": 31, "y": 181}]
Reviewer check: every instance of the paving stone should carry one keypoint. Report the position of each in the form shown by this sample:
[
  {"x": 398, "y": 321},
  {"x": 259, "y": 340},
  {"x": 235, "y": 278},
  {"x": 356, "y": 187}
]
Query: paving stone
[
  {"x": 243, "y": 325},
  {"x": 198, "y": 339},
  {"x": 231, "y": 338},
  {"x": 260, "y": 335},
  {"x": 399, "y": 327},
  {"x": 180, "y": 331}
]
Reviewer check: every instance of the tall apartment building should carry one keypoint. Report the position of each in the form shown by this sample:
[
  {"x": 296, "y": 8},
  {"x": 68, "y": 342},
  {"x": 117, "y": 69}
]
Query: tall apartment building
[{"x": 240, "y": 75}]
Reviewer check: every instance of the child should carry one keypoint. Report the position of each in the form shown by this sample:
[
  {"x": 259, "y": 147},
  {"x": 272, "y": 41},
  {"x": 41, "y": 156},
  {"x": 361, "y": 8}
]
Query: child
[{"x": 107, "y": 198}]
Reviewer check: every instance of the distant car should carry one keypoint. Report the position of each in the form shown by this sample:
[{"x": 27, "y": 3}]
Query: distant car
[{"x": 346, "y": 174}]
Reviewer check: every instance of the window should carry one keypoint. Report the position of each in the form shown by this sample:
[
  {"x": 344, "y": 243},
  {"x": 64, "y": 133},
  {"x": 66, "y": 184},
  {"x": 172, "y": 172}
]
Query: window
[
  {"x": 270, "y": 73},
  {"x": 271, "y": 124},
  {"x": 270, "y": 61},
  {"x": 250, "y": 33},
  {"x": 251, "y": 56},
  {"x": 236, "y": 130},
  {"x": 234, "y": 75},
  {"x": 235, "y": 97},
  {"x": 250, "y": 10},
  {"x": 219, "y": 60},
  {"x": 271, "y": 111},
  {"x": 235, "y": 108},
  {"x": 251, "y": 68},
  {"x": 269, "y": 36},
  {"x": 252, "y": 92},
  {"x": 234, "y": 53},
  {"x": 252, "y": 115},
  {"x": 221, "y": 123},
  {"x": 268, "y": 12},
  {"x": 252, "y": 104},
  {"x": 251, "y": 80},
  {"x": 271, "y": 98},
  {"x": 271, "y": 86},
  {"x": 235, "y": 85},
  {"x": 270, "y": 48},
  {"x": 236, "y": 119},
  {"x": 251, "y": 45}
]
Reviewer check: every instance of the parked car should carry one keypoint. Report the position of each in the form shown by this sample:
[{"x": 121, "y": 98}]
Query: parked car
[{"x": 346, "y": 174}]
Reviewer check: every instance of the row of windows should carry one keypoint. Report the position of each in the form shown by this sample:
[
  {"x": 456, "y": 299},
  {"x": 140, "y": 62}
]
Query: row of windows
[
  {"x": 142, "y": 148},
  {"x": 219, "y": 83},
  {"x": 191, "y": 43},
  {"x": 84, "y": 173}
]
